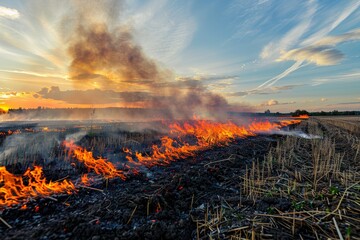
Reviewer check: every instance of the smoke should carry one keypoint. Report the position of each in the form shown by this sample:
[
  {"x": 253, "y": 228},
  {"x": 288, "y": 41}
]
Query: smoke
[
  {"x": 27, "y": 148},
  {"x": 105, "y": 55},
  {"x": 109, "y": 57},
  {"x": 103, "y": 51},
  {"x": 75, "y": 136},
  {"x": 298, "y": 134}
]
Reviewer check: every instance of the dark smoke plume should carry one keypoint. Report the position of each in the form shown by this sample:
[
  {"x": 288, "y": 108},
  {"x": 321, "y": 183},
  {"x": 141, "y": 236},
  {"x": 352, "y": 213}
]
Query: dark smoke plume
[
  {"x": 111, "y": 57},
  {"x": 104, "y": 52}
]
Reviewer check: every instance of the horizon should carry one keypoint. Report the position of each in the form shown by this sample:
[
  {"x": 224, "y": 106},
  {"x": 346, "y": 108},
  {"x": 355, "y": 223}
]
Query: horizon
[
  {"x": 186, "y": 56},
  {"x": 266, "y": 111}
]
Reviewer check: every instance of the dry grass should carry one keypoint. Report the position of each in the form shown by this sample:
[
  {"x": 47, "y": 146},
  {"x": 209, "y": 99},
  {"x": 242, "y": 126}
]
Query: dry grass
[
  {"x": 321, "y": 179},
  {"x": 28, "y": 148},
  {"x": 349, "y": 123},
  {"x": 45, "y": 148}
]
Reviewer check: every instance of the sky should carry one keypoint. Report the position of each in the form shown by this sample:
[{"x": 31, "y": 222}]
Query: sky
[{"x": 280, "y": 55}]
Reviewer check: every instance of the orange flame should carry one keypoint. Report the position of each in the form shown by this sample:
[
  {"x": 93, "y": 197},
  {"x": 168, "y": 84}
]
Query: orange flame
[
  {"x": 285, "y": 123},
  {"x": 85, "y": 180},
  {"x": 130, "y": 160},
  {"x": 100, "y": 166},
  {"x": 207, "y": 134},
  {"x": 167, "y": 152},
  {"x": 14, "y": 190},
  {"x": 204, "y": 134},
  {"x": 303, "y": 116}
]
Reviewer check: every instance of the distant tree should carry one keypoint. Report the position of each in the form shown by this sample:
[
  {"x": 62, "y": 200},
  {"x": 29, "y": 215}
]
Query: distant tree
[
  {"x": 267, "y": 111},
  {"x": 335, "y": 112},
  {"x": 300, "y": 112}
]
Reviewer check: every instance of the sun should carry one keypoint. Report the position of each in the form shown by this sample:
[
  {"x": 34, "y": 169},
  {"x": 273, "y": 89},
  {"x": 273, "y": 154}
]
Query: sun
[{"x": 4, "y": 108}]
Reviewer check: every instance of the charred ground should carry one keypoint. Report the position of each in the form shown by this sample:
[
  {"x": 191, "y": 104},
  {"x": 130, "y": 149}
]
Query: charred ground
[{"x": 261, "y": 187}]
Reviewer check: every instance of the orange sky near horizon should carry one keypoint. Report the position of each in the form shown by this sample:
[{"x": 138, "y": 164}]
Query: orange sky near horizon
[{"x": 276, "y": 55}]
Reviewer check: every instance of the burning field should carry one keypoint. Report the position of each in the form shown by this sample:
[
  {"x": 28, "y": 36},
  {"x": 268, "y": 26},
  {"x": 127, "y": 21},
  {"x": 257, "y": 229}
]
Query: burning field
[
  {"x": 197, "y": 179},
  {"x": 118, "y": 122}
]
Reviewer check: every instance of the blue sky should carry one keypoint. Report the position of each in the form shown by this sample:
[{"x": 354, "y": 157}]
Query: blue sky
[{"x": 279, "y": 55}]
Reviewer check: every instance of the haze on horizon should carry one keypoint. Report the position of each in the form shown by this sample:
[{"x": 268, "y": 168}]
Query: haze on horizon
[{"x": 240, "y": 54}]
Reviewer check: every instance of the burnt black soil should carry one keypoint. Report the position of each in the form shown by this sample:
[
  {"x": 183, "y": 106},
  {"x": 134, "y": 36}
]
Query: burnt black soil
[
  {"x": 158, "y": 204},
  {"x": 201, "y": 197}
]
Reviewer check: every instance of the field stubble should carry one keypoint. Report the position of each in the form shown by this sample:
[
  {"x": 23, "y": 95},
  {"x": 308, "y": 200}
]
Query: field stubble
[
  {"x": 318, "y": 180},
  {"x": 276, "y": 187}
]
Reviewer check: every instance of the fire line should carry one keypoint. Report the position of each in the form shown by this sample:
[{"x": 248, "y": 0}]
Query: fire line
[{"x": 16, "y": 189}]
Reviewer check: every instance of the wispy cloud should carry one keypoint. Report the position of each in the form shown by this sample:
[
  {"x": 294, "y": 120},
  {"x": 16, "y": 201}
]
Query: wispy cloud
[
  {"x": 345, "y": 77},
  {"x": 159, "y": 40},
  {"x": 323, "y": 99},
  {"x": 9, "y": 13},
  {"x": 6, "y": 95},
  {"x": 273, "y": 102},
  {"x": 252, "y": 17},
  {"x": 315, "y": 49},
  {"x": 162, "y": 28},
  {"x": 321, "y": 53},
  {"x": 286, "y": 87},
  {"x": 207, "y": 78},
  {"x": 334, "y": 40},
  {"x": 273, "y": 80},
  {"x": 345, "y": 103},
  {"x": 265, "y": 91},
  {"x": 36, "y": 74},
  {"x": 334, "y": 22},
  {"x": 272, "y": 50}
]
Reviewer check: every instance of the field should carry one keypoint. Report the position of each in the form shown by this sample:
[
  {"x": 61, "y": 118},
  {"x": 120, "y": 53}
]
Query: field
[{"x": 301, "y": 183}]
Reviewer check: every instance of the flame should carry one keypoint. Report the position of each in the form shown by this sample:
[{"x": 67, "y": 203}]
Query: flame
[
  {"x": 168, "y": 151},
  {"x": 210, "y": 133},
  {"x": 100, "y": 166},
  {"x": 263, "y": 127},
  {"x": 285, "y": 123},
  {"x": 17, "y": 131},
  {"x": 184, "y": 140},
  {"x": 206, "y": 133},
  {"x": 303, "y": 116},
  {"x": 85, "y": 180},
  {"x": 15, "y": 190}
]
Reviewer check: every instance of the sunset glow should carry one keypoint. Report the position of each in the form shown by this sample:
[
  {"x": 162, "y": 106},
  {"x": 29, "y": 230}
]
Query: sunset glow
[{"x": 172, "y": 55}]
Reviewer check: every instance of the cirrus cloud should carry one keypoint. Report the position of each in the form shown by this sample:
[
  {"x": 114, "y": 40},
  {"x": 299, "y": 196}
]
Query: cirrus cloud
[
  {"x": 319, "y": 55},
  {"x": 322, "y": 52},
  {"x": 9, "y": 13},
  {"x": 273, "y": 102}
]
